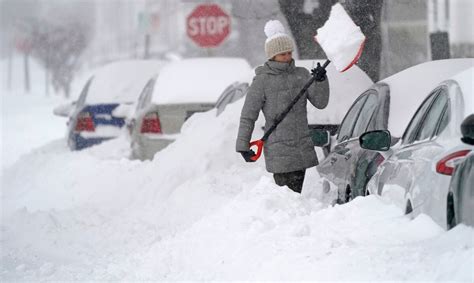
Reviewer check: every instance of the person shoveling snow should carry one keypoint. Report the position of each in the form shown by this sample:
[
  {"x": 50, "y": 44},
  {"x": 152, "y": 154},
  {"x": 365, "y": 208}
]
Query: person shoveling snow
[{"x": 289, "y": 149}]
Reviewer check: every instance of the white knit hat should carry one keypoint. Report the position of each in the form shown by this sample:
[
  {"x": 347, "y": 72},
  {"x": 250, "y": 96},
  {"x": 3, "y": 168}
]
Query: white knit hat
[{"x": 277, "y": 40}]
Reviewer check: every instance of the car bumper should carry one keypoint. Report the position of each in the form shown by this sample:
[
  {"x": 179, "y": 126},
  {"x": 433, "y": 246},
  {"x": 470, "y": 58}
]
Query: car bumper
[{"x": 77, "y": 142}]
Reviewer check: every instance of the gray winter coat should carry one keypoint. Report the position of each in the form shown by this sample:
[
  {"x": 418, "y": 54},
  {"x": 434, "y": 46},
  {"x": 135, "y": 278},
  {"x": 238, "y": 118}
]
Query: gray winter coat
[{"x": 289, "y": 148}]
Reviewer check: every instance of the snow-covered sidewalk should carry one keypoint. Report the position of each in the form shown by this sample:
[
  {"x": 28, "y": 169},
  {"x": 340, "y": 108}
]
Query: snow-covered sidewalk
[{"x": 198, "y": 212}]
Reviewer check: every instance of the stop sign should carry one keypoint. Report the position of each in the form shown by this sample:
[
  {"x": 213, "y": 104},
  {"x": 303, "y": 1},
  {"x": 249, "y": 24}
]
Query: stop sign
[{"x": 208, "y": 25}]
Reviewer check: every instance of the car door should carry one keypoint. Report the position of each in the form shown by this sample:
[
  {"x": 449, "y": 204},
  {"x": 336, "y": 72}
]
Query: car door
[
  {"x": 337, "y": 166},
  {"x": 412, "y": 161}
]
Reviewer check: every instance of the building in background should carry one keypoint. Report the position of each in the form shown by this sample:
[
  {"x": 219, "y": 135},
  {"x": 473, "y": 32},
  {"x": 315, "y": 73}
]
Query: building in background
[{"x": 408, "y": 24}]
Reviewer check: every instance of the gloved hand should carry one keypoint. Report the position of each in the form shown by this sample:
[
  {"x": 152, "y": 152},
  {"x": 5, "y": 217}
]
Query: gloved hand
[
  {"x": 247, "y": 155},
  {"x": 319, "y": 72}
]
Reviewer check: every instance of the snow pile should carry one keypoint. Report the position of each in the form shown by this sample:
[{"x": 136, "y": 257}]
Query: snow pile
[
  {"x": 341, "y": 39},
  {"x": 199, "y": 212}
]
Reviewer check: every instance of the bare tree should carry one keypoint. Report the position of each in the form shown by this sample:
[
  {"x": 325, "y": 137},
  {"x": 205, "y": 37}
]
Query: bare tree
[
  {"x": 59, "y": 48},
  {"x": 55, "y": 32}
]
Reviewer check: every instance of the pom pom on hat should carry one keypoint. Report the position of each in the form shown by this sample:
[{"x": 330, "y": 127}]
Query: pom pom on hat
[
  {"x": 277, "y": 40},
  {"x": 274, "y": 27}
]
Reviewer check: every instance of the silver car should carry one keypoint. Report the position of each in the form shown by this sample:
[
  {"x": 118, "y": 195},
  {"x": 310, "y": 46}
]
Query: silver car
[
  {"x": 181, "y": 89},
  {"x": 412, "y": 177},
  {"x": 387, "y": 105}
]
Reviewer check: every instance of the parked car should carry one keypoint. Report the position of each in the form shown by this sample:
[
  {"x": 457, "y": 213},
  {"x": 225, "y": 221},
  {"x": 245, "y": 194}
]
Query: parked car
[
  {"x": 387, "y": 105},
  {"x": 181, "y": 89},
  {"x": 416, "y": 175},
  {"x": 100, "y": 111},
  {"x": 460, "y": 199}
]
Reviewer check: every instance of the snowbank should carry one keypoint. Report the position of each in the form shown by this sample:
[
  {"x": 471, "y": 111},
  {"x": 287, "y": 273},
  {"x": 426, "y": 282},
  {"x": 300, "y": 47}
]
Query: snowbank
[{"x": 198, "y": 212}]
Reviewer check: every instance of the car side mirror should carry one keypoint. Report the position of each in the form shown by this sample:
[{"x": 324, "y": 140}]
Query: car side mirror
[
  {"x": 64, "y": 110},
  {"x": 321, "y": 138},
  {"x": 379, "y": 140}
]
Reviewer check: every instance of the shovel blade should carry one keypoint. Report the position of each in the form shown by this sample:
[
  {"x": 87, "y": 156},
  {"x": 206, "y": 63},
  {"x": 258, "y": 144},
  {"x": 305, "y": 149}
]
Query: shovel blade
[{"x": 341, "y": 39}]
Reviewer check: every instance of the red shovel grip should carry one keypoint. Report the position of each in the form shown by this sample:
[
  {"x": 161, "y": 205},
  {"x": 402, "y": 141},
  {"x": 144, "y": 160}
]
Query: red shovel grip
[{"x": 259, "y": 144}]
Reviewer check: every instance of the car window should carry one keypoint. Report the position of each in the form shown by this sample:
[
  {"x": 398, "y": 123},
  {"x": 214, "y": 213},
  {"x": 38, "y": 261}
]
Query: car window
[
  {"x": 345, "y": 130},
  {"x": 145, "y": 96},
  {"x": 415, "y": 123},
  {"x": 231, "y": 94},
  {"x": 365, "y": 115},
  {"x": 444, "y": 120},
  {"x": 433, "y": 118}
]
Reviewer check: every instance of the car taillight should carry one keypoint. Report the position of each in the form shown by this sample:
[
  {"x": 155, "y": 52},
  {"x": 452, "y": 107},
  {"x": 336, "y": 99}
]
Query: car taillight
[
  {"x": 85, "y": 123},
  {"x": 151, "y": 124},
  {"x": 446, "y": 165}
]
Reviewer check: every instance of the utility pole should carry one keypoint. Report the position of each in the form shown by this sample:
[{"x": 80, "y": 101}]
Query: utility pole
[{"x": 438, "y": 20}]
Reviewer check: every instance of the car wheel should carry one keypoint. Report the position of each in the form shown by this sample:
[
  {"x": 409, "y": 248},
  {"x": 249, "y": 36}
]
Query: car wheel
[
  {"x": 409, "y": 207},
  {"x": 450, "y": 215}
]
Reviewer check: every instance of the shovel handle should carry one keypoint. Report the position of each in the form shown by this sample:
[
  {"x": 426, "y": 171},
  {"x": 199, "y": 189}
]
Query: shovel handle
[{"x": 259, "y": 145}]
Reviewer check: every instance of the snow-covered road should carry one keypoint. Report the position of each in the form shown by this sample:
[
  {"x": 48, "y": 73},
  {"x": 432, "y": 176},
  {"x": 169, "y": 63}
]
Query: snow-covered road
[{"x": 198, "y": 212}]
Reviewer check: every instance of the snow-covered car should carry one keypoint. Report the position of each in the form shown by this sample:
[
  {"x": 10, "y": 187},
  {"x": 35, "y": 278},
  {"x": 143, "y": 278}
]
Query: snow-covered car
[
  {"x": 181, "y": 89},
  {"x": 416, "y": 175},
  {"x": 106, "y": 99},
  {"x": 387, "y": 105}
]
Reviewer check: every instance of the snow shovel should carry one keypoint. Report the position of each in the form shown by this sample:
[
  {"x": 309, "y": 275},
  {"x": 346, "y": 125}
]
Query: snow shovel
[{"x": 342, "y": 41}]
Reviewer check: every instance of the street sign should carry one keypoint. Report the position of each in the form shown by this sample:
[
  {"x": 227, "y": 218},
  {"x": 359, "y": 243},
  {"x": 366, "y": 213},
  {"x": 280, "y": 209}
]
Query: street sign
[{"x": 208, "y": 25}]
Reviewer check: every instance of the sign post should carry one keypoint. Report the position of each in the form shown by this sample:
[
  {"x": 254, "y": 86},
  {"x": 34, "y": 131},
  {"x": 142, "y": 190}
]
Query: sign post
[
  {"x": 148, "y": 23},
  {"x": 208, "y": 25}
]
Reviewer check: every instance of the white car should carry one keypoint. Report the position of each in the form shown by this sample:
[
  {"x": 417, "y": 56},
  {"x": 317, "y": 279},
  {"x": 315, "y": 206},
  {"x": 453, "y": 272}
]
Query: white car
[
  {"x": 410, "y": 177},
  {"x": 181, "y": 89}
]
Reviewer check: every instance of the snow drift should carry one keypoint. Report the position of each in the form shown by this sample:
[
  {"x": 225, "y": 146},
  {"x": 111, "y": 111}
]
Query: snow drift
[{"x": 198, "y": 212}]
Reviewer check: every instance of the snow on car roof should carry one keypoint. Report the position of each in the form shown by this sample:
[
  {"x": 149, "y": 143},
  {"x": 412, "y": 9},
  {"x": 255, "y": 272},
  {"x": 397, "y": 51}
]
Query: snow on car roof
[
  {"x": 121, "y": 81},
  {"x": 198, "y": 80},
  {"x": 344, "y": 88},
  {"x": 410, "y": 87}
]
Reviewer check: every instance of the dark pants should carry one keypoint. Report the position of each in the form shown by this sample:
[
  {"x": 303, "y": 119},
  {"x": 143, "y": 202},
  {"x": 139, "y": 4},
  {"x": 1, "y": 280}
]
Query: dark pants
[{"x": 294, "y": 180}]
